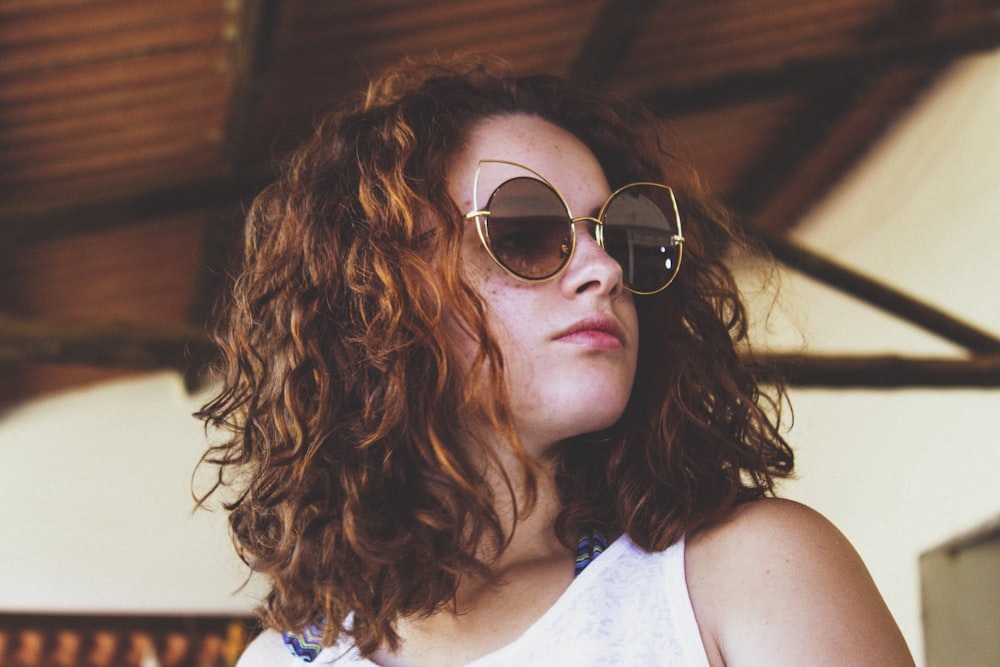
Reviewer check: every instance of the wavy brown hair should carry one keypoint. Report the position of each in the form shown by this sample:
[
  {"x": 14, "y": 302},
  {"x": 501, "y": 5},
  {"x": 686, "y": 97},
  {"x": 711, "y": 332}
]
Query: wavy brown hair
[{"x": 340, "y": 400}]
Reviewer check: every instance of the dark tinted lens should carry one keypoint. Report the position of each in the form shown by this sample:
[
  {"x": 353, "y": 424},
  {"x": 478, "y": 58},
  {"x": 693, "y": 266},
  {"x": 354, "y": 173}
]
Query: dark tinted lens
[
  {"x": 528, "y": 228},
  {"x": 639, "y": 229}
]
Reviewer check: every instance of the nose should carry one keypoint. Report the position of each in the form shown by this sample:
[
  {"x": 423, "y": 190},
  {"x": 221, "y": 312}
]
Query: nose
[{"x": 591, "y": 268}]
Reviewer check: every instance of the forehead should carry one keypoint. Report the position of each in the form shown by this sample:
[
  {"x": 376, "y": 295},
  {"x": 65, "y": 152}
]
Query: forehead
[{"x": 557, "y": 155}]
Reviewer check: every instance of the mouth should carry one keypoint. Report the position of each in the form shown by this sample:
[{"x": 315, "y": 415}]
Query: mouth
[{"x": 594, "y": 331}]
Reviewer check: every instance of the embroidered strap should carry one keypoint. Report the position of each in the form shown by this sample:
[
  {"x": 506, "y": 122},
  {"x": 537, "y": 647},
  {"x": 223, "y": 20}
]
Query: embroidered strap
[
  {"x": 306, "y": 645},
  {"x": 591, "y": 546}
]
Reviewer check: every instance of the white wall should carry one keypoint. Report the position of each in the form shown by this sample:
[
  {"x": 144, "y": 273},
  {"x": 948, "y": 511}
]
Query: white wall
[
  {"x": 902, "y": 471},
  {"x": 94, "y": 503},
  {"x": 96, "y": 512}
]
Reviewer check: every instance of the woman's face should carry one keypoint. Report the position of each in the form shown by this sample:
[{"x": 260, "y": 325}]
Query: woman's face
[{"x": 569, "y": 344}]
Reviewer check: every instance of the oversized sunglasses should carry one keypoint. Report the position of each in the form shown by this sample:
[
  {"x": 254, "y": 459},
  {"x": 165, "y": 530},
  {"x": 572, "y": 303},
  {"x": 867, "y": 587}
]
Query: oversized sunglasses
[{"x": 527, "y": 228}]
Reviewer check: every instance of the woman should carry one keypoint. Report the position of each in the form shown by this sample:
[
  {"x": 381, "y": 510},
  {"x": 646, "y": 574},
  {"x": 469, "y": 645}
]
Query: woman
[{"x": 486, "y": 407}]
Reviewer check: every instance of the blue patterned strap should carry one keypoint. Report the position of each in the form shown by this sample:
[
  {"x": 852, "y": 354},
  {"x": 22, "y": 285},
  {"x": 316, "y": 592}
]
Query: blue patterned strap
[
  {"x": 306, "y": 645},
  {"x": 591, "y": 546}
]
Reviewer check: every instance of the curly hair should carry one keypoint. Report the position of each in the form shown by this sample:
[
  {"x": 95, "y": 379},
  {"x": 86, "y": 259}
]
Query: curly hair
[{"x": 340, "y": 396}]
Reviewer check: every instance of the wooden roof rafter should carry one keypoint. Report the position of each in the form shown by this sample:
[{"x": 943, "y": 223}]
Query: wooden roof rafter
[
  {"x": 981, "y": 369},
  {"x": 252, "y": 51},
  {"x": 612, "y": 34},
  {"x": 103, "y": 211},
  {"x": 189, "y": 350},
  {"x": 876, "y": 71},
  {"x": 30, "y": 222},
  {"x": 103, "y": 344},
  {"x": 913, "y": 48}
]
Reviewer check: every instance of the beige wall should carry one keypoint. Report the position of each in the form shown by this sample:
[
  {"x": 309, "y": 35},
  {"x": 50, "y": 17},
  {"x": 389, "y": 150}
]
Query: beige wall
[
  {"x": 903, "y": 471},
  {"x": 96, "y": 508}
]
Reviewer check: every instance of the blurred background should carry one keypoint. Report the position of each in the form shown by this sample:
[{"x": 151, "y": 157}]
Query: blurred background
[{"x": 859, "y": 138}]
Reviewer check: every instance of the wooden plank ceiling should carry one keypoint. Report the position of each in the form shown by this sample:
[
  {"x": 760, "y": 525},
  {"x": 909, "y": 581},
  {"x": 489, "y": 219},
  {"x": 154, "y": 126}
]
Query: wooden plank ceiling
[{"x": 133, "y": 131}]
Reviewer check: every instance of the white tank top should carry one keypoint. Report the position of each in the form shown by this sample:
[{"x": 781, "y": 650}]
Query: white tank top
[{"x": 628, "y": 607}]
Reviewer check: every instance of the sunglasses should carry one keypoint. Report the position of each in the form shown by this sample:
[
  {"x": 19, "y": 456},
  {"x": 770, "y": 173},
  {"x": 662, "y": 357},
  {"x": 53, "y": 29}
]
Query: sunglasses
[{"x": 528, "y": 230}]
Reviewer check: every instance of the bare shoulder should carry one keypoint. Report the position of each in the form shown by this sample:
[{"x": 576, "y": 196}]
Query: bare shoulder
[
  {"x": 757, "y": 524},
  {"x": 777, "y": 584}
]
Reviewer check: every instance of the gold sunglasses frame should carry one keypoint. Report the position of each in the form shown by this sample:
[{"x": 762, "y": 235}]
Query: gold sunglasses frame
[{"x": 477, "y": 214}]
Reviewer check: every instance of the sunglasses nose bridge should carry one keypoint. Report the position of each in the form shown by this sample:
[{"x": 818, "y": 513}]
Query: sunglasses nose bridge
[{"x": 593, "y": 227}]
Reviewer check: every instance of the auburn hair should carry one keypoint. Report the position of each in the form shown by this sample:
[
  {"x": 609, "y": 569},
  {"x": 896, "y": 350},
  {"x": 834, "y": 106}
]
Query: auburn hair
[{"x": 340, "y": 398}]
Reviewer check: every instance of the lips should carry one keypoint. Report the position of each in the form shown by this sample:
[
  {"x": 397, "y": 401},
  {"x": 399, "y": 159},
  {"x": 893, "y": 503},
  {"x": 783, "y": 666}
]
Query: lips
[{"x": 594, "y": 331}]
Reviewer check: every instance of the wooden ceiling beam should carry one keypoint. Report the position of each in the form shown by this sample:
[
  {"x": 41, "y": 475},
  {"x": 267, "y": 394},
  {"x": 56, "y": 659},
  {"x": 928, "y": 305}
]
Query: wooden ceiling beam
[
  {"x": 251, "y": 57},
  {"x": 116, "y": 345},
  {"x": 811, "y": 127},
  {"x": 886, "y": 298},
  {"x": 835, "y": 129},
  {"x": 30, "y": 223},
  {"x": 883, "y": 371},
  {"x": 252, "y": 51},
  {"x": 872, "y": 57},
  {"x": 237, "y": 181},
  {"x": 832, "y": 135},
  {"x": 102, "y": 344},
  {"x": 840, "y": 123},
  {"x": 612, "y": 34}
]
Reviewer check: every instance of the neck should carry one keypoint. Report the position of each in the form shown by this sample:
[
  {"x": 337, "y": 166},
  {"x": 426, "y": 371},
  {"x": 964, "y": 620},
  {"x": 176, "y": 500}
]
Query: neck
[
  {"x": 528, "y": 577},
  {"x": 532, "y": 530},
  {"x": 533, "y": 533}
]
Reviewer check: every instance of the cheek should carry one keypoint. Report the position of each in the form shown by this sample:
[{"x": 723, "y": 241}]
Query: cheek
[
  {"x": 509, "y": 309},
  {"x": 508, "y": 305},
  {"x": 497, "y": 311},
  {"x": 500, "y": 295}
]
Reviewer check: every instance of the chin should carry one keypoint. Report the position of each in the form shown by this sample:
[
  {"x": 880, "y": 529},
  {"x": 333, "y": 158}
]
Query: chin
[
  {"x": 596, "y": 423},
  {"x": 578, "y": 405}
]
